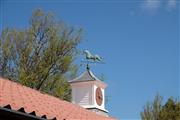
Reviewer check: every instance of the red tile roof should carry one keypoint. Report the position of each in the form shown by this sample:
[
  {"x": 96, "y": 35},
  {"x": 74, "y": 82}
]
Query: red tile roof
[{"x": 19, "y": 96}]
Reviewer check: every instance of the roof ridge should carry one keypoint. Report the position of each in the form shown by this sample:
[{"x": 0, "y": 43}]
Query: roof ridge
[
  {"x": 38, "y": 91},
  {"x": 14, "y": 82}
]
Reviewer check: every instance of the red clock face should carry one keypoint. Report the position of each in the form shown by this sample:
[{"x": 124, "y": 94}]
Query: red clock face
[{"x": 99, "y": 96}]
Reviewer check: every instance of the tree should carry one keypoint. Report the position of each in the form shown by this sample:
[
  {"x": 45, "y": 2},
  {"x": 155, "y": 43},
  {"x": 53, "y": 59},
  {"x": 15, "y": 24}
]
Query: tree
[
  {"x": 40, "y": 56},
  {"x": 151, "y": 110},
  {"x": 170, "y": 111},
  {"x": 158, "y": 111}
]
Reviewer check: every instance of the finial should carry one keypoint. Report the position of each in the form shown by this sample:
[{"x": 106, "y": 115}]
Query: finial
[{"x": 87, "y": 67}]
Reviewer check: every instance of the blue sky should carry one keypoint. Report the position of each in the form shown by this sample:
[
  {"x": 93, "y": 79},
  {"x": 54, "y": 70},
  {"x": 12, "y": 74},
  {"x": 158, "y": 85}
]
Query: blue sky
[{"x": 138, "y": 39}]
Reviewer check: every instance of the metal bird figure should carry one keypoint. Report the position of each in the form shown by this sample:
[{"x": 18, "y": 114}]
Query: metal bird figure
[{"x": 90, "y": 56}]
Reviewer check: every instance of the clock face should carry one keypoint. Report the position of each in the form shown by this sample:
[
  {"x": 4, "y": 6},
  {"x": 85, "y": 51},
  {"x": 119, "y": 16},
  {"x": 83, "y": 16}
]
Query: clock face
[{"x": 99, "y": 96}]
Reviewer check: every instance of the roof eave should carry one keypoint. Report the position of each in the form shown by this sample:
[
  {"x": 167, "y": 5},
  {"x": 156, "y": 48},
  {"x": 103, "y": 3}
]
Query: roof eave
[{"x": 9, "y": 113}]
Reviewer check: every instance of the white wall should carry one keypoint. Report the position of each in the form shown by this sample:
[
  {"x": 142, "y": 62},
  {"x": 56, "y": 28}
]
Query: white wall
[
  {"x": 81, "y": 94},
  {"x": 84, "y": 94}
]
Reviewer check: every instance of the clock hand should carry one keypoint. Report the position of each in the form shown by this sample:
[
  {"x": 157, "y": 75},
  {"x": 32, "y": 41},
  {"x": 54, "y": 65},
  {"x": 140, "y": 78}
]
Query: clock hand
[{"x": 100, "y": 97}]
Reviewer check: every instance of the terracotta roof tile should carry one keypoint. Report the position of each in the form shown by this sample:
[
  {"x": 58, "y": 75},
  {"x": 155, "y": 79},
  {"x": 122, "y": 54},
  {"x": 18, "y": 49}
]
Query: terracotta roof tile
[{"x": 19, "y": 96}]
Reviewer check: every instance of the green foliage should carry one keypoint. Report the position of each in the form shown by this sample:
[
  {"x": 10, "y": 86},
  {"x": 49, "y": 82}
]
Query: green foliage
[
  {"x": 157, "y": 111},
  {"x": 40, "y": 56},
  {"x": 151, "y": 110},
  {"x": 170, "y": 111}
]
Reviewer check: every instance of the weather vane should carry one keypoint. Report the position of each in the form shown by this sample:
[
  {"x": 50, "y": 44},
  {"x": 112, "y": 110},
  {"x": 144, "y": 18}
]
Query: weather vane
[{"x": 91, "y": 58}]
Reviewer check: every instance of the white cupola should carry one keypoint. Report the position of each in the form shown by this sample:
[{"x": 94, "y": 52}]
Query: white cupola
[{"x": 89, "y": 92}]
